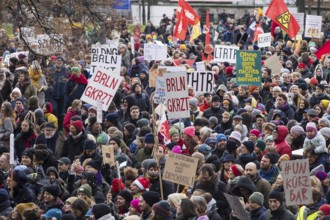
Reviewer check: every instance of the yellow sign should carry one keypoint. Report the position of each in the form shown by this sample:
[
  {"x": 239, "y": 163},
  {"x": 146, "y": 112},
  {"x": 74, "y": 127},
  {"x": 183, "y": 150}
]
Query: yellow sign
[{"x": 284, "y": 19}]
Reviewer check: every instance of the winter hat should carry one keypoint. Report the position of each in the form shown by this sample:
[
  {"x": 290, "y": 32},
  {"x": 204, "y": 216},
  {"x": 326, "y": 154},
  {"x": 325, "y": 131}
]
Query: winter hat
[
  {"x": 143, "y": 122},
  {"x": 214, "y": 120},
  {"x": 205, "y": 150},
  {"x": 275, "y": 194},
  {"x": 261, "y": 145},
  {"x": 237, "y": 169},
  {"x": 173, "y": 131},
  {"x": 112, "y": 117},
  {"x": 249, "y": 146},
  {"x": 297, "y": 130},
  {"x": 151, "y": 197},
  {"x": 86, "y": 189},
  {"x": 100, "y": 210},
  {"x": 28, "y": 153},
  {"x": 24, "y": 206},
  {"x": 325, "y": 209},
  {"x": 312, "y": 112},
  {"x": 176, "y": 198},
  {"x": 221, "y": 137},
  {"x": 311, "y": 126},
  {"x": 52, "y": 169},
  {"x": 236, "y": 136},
  {"x": 52, "y": 189},
  {"x": 325, "y": 132},
  {"x": 177, "y": 149},
  {"x": 269, "y": 138},
  {"x": 92, "y": 120},
  {"x": 49, "y": 107},
  {"x": 135, "y": 204},
  {"x": 313, "y": 81},
  {"x": 64, "y": 160},
  {"x": 95, "y": 164},
  {"x": 50, "y": 125},
  {"x": 78, "y": 125},
  {"x": 162, "y": 209},
  {"x": 115, "y": 139},
  {"x": 56, "y": 213},
  {"x": 142, "y": 182},
  {"x": 229, "y": 70},
  {"x": 126, "y": 195},
  {"x": 149, "y": 139},
  {"x": 117, "y": 185},
  {"x": 210, "y": 140},
  {"x": 89, "y": 145},
  {"x": 190, "y": 131},
  {"x": 4, "y": 196},
  {"x": 255, "y": 132},
  {"x": 231, "y": 146},
  {"x": 257, "y": 197},
  {"x": 216, "y": 98},
  {"x": 41, "y": 152},
  {"x": 199, "y": 122},
  {"x": 227, "y": 158},
  {"x": 273, "y": 158},
  {"x": 92, "y": 110},
  {"x": 68, "y": 217},
  {"x": 193, "y": 102},
  {"x": 321, "y": 175}
]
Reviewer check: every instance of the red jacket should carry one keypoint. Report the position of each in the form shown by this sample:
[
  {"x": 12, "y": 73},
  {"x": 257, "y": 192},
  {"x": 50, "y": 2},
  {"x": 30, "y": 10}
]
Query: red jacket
[
  {"x": 204, "y": 106},
  {"x": 282, "y": 147}
]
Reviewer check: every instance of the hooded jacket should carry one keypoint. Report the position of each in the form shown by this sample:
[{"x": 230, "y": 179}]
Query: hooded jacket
[
  {"x": 282, "y": 147},
  {"x": 317, "y": 143},
  {"x": 246, "y": 183}
]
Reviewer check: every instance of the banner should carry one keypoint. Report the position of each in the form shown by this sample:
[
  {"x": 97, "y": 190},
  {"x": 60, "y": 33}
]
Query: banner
[
  {"x": 103, "y": 85},
  {"x": 159, "y": 96},
  {"x": 155, "y": 52},
  {"x": 248, "y": 68},
  {"x": 300, "y": 17},
  {"x": 29, "y": 34},
  {"x": 49, "y": 44},
  {"x": 106, "y": 57},
  {"x": 201, "y": 81},
  {"x": 313, "y": 26},
  {"x": 180, "y": 169},
  {"x": 176, "y": 91},
  {"x": 296, "y": 182},
  {"x": 225, "y": 53},
  {"x": 264, "y": 40}
]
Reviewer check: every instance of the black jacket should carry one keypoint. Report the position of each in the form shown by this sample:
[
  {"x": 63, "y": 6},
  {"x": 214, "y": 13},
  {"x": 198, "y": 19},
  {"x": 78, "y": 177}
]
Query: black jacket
[{"x": 74, "y": 147}]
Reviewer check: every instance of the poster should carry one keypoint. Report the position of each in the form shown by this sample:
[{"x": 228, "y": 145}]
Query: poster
[
  {"x": 180, "y": 169},
  {"x": 201, "y": 81},
  {"x": 99, "y": 109},
  {"x": 29, "y": 34},
  {"x": 248, "y": 68},
  {"x": 107, "y": 57},
  {"x": 313, "y": 26},
  {"x": 154, "y": 73},
  {"x": 237, "y": 207},
  {"x": 264, "y": 40},
  {"x": 49, "y": 44},
  {"x": 176, "y": 92},
  {"x": 200, "y": 66},
  {"x": 300, "y": 18},
  {"x": 155, "y": 52},
  {"x": 224, "y": 53},
  {"x": 103, "y": 85},
  {"x": 159, "y": 96},
  {"x": 274, "y": 64},
  {"x": 108, "y": 155},
  {"x": 296, "y": 182}
]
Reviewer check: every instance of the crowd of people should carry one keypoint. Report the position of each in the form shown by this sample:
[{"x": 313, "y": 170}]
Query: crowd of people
[{"x": 240, "y": 134}]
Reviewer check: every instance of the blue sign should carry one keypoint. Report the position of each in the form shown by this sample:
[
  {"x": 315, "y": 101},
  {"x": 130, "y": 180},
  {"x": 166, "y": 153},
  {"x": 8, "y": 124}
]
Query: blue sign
[{"x": 122, "y": 4}]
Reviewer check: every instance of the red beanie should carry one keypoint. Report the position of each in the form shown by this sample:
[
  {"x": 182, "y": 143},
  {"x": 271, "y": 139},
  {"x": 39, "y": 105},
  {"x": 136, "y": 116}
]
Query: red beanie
[
  {"x": 142, "y": 182},
  {"x": 117, "y": 185},
  {"x": 78, "y": 125},
  {"x": 235, "y": 170},
  {"x": 229, "y": 70},
  {"x": 313, "y": 81},
  {"x": 256, "y": 132},
  {"x": 190, "y": 131},
  {"x": 325, "y": 209},
  {"x": 301, "y": 66},
  {"x": 49, "y": 107}
]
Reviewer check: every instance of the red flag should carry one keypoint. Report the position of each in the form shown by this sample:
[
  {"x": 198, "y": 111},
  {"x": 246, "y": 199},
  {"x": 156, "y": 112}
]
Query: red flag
[
  {"x": 164, "y": 128},
  {"x": 279, "y": 13},
  {"x": 207, "y": 28},
  {"x": 180, "y": 27},
  {"x": 188, "y": 12},
  {"x": 257, "y": 31},
  {"x": 323, "y": 50}
]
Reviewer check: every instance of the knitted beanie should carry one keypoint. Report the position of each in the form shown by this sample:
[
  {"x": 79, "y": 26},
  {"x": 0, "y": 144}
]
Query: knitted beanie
[
  {"x": 78, "y": 125},
  {"x": 100, "y": 210},
  {"x": 162, "y": 209},
  {"x": 257, "y": 197},
  {"x": 151, "y": 197},
  {"x": 135, "y": 204},
  {"x": 86, "y": 189},
  {"x": 190, "y": 131},
  {"x": 325, "y": 209},
  {"x": 275, "y": 194},
  {"x": 237, "y": 169}
]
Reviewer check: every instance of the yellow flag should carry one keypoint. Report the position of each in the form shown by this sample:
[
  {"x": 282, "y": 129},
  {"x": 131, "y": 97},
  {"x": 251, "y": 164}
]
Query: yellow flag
[{"x": 196, "y": 31}]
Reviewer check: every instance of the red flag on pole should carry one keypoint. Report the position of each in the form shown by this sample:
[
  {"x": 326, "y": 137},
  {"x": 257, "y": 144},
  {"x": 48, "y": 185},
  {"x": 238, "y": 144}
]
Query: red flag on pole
[
  {"x": 180, "y": 27},
  {"x": 164, "y": 128},
  {"x": 279, "y": 13},
  {"x": 257, "y": 31},
  {"x": 323, "y": 50},
  {"x": 207, "y": 28}
]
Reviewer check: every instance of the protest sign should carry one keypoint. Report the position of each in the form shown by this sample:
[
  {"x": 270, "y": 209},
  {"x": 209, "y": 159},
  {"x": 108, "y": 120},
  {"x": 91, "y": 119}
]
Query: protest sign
[
  {"x": 108, "y": 155},
  {"x": 296, "y": 182},
  {"x": 176, "y": 92},
  {"x": 201, "y": 81},
  {"x": 7, "y": 57},
  {"x": 153, "y": 74},
  {"x": 274, "y": 64},
  {"x": 264, "y": 40},
  {"x": 180, "y": 169},
  {"x": 300, "y": 18},
  {"x": 200, "y": 66},
  {"x": 99, "y": 108},
  {"x": 237, "y": 207},
  {"x": 47, "y": 44},
  {"x": 159, "y": 96},
  {"x": 132, "y": 45},
  {"x": 313, "y": 26},
  {"x": 248, "y": 68},
  {"x": 155, "y": 52},
  {"x": 29, "y": 34},
  {"x": 103, "y": 85},
  {"x": 175, "y": 68},
  {"x": 107, "y": 57},
  {"x": 224, "y": 53}
]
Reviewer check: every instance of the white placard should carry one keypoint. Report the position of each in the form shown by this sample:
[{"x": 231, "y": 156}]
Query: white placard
[
  {"x": 200, "y": 66},
  {"x": 313, "y": 26},
  {"x": 300, "y": 18},
  {"x": 155, "y": 52},
  {"x": 176, "y": 91},
  {"x": 49, "y": 44},
  {"x": 225, "y": 53},
  {"x": 99, "y": 108},
  {"x": 103, "y": 85},
  {"x": 132, "y": 45},
  {"x": 264, "y": 40},
  {"x": 106, "y": 57},
  {"x": 159, "y": 96},
  {"x": 201, "y": 81},
  {"x": 29, "y": 34},
  {"x": 11, "y": 149}
]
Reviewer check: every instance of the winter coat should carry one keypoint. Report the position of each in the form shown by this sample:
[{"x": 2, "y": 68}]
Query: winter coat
[
  {"x": 255, "y": 214},
  {"x": 246, "y": 183},
  {"x": 282, "y": 147},
  {"x": 5, "y": 92},
  {"x": 212, "y": 208},
  {"x": 244, "y": 159},
  {"x": 168, "y": 188},
  {"x": 280, "y": 214},
  {"x": 216, "y": 112},
  {"x": 5, "y": 130},
  {"x": 23, "y": 194},
  {"x": 317, "y": 143},
  {"x": 316, "y": 99},
  {"x": 42, "y": 82},
  {"x": 263, "y": 186},
  {"x": 74, "y": 146},
  {"x": 49, "y": 161},
  {"x": 24, "y": 141},
  {"x": 286, "y": 109},
  {"x": 107, "y": 217},
  {"x": 142, "y": 101},
  {"x": 55, "y": 144},
  {"x": 74, "y": 88},
  {"x": 298, "y": 142},
  {"x": 271, "y": 175},
  {"x": 66, "y": 121},
  {"x": 5, "y": 208},
  {"x": 28, "y": 91},
  {"x": 205, "y": 106},
  {"x": 58, "y": 204},
  {"x": 58, "y": 77}
]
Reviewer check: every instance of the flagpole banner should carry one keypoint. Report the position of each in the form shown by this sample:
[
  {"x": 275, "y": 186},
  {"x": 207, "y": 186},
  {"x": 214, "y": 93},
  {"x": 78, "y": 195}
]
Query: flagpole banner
[
  {"x": 176, "y": 92},
  {"x": 264, "y": 40},
  {"x": 248, "y": 68},
  {"x": 300, "y": 17},
  {"x": 163, "y": 128},
  {"x": 201, "y": 81},
  {"x": 155, "y": 52},
  {"x": 107, "y": 57},
  {"x": 313, "y": 26},
  {"x": 224, "y": 53}
]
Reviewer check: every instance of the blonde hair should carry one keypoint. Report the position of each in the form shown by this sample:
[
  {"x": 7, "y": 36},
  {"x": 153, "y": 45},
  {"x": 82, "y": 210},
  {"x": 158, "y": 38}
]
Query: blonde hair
[{"x": 75, "y": 103}]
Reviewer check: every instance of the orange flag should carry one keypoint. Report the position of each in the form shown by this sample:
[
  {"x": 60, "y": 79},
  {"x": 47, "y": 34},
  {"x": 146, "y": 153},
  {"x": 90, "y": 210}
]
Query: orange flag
[
  {"x": 207, "y": 28},
  {"x": 279, "y": 13}
]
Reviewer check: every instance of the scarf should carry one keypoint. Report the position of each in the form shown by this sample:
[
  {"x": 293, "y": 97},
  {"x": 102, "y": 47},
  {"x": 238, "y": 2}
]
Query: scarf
[{"x": 81, "y": 79}]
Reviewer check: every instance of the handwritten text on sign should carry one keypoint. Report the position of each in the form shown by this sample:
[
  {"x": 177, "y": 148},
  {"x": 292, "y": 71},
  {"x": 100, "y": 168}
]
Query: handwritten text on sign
[
  {"x": 297, "y": 184},
  {"x": 155, "y": 52},
  {"x": 180, "y": 169},
  {"x": 176, "y": 90},
  {"x": 264, "y": 40},
  {"x": 102, "y": 86},
  {"x": 225, "y": 53},
  {"x": 248, "y": 68},
  {"x": 201, "y": 81},
  {"x": 106, "y": 57}
]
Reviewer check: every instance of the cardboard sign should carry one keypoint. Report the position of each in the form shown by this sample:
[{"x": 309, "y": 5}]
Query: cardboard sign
[
  {"x": 264, "y": 40},
  {"x": 274, "y": 64},
  {"x": 296, "y": 182},
  {"x": 300, "y": 18},
  {"x": 225, "y": 53},
  {"x": 159, "y": 96},
  {"x": 237, "y": 207},
  {"x": 155, "y": 52},
  {"x": 108, "y": 155},
  {"x": 248, "y": 68},
  {"x": 106, "y": 57},
  {"x": 176, "y": 92},
  {"x": 313, "y": 26},
  {"x": 29, "y": 34},
  {"x": 201, "y": 81},
  {"x": 6, "y": 58},
  {"x": 49, "y": 44},
  {"x": 101, "y": 86},
  {"x": 200, "y": 66},
  {"x": 180, "y": 169}
]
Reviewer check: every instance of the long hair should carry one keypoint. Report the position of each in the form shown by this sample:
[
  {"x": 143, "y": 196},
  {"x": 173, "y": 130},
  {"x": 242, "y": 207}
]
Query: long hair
[
  {"x": 8, "y": 112},
  {"x": 187, "y": 209}
]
